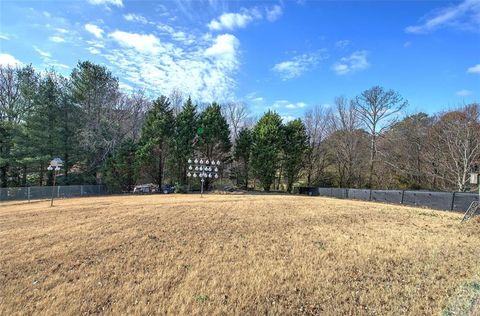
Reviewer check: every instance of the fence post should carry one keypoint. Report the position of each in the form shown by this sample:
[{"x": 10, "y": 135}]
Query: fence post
[
  {"x": 81, "y": 190},
  {"x": 370, "y": 197},
  {"x": 403, "y": 194},
  {"x": 28, "y": 193},
  {"x": 453, "y": 201},
  {"x": 58, "y": 191}
]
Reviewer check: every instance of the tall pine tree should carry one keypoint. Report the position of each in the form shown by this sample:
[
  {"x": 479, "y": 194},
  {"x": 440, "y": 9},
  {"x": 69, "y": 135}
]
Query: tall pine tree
[
  {"x": 241, "y": 154},
  {"x": 95, "y": 91},
  {"x": 154, "y": 144},
  {"x": 295, "y": 145},
  {"x": 214, "y": 139},
  {"x": 267, "y": 143},
  {"x": 186, "y": 124}
]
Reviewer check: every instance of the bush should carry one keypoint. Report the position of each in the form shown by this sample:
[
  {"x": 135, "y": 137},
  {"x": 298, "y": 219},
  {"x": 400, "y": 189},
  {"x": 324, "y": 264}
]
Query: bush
[{"x": 180, "y": 188}]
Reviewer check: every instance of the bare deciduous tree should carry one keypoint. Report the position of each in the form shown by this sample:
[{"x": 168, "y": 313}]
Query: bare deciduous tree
[
  {"x": 176, "y": 98},
  {"x": 236, "y": 114},
  {"x": 377, "y": 108},
  {"x": 9, "y": 91},
  {"x": 347, "y": 143},
  {"x": 316, "y": 123},
  {"x": 403, "y": 152},
  {"x": 455, "y": 147}
]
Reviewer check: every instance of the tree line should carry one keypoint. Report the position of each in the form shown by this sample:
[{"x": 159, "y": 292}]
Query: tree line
[{"x": 105, "y": 135}]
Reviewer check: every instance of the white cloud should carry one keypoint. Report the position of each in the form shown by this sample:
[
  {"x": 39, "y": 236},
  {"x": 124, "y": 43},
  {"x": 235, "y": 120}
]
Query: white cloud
[
  {"x": 407, "y": 44},
  {"x": 355, "y": 62},
  {"x": 9, "y": 60},
  {"x": 56, "y": 39},
  {"x": 259, "y": 99},
  {"x": 94, "y": 50},
  {"x": 225, "y": 47},
  {"x": 465, "y": 15},
  {"x": 59, "y": 65},
  {"x": 61, "y": 30},
  {"x": 287, "y": 118},
  {"x": 474, "y": 69},
  {"x": 47, "y": 59},
  {"x": 203, "y": 68},
  {"x": 296, "y": 66},
  {"x": 342, "y": 44},
  {"x": 224, "y": 44},
  {"x": 148, "y": 44},
  {"x": 118, "y": 3},
  {"x": 464, "y": 93},
  {"x": 297, "y": 105},
  {"x": 274, "y": 13},
  {"x": 95, "y": 30},
  {"x": 279, "y": 104},
  {"x": 341, "y": 69},
  {"x": 42, "y": 53},
  {"x": 131, "y": 17},
  {"x": 231, "y": 21},
  {"x": 4, "y": 37}
]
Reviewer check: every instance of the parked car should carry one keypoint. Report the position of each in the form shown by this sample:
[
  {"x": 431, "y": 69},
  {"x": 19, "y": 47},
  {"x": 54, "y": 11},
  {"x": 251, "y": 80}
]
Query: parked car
[
  {"x": 167, "y": 189},
  {"x": 144, "y": 189},
  {"x": 228, "y": 189}
]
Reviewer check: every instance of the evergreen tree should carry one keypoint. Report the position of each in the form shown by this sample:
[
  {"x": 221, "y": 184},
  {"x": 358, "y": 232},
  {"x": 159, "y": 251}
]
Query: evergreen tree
[
  {"x": 267, "y": 137},
  {"x": 119, "y": 169},
  {"x": 214, "y": 137},
  {"x": 241, "y": 154},
  {"x": 69, "y": 127},
  {"x": 42, "y": 130},
  {"x": 186, "y": 124},
  {"x": 95, "y": 90},
  {"x": 154, "y": 144},
  {"x": 295, "y": 145}
]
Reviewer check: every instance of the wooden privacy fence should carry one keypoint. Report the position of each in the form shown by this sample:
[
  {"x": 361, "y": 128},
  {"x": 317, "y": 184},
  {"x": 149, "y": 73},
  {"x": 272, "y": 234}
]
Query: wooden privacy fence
[{"x": 448, "y": 201}]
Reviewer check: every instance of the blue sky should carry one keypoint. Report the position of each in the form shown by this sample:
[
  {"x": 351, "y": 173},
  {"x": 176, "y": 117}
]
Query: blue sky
[{"x": 285, "y": 55}]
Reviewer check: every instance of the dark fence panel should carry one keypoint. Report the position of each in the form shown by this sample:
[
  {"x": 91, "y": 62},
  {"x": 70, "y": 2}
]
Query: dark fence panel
[
  {"x": 339, "y": 193},
  {"x": 436, "y": 200},
  {"x": 388, "y": 196},
  {"x": 63, "y": 191},
  {"x": 451, "y": 201},
  {"x": 308, "y": 191},
  {"x": 359, "y": 194},
  {"x": 462, "y": 201},
  {"x": 37, "y": 193},
  {"x": 325, "y": 191},
  {"x": 12, "y": 194}
]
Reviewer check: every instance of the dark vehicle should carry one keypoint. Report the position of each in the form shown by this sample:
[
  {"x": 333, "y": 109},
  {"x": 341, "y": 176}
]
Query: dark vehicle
[
  {"x": 167, "y": 189},
  {"x": 144, "y": 189},
  {"x": 229, "y": 189}
]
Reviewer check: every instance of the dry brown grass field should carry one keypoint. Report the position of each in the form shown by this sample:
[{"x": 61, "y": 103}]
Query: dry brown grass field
[{"x": 240, "y": 254}]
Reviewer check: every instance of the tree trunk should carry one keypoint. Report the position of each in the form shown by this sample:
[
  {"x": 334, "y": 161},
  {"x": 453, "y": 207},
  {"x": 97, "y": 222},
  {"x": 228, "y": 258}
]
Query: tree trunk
[
  {"x": 289, "y": 185},
  {"x": 40, "y": 177},
  {"x": 279, "y": 177},
  {"x": 66, "y": 166},
  {"x": 4, "y": 170},
  {"x": 160, "y": 172},
  {"x": 246, "y": 176},
  {"x": 24, "y": 175},
  {"x": 372, "y": 161}
]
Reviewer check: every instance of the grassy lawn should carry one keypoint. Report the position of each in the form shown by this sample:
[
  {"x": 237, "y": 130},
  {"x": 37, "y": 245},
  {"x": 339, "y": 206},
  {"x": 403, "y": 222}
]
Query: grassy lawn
[{"x": 232, "y": 254}]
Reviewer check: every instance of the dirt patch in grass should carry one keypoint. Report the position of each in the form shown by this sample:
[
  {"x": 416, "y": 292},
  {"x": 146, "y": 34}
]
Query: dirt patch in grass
[{"x": 229, "y": 254}]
